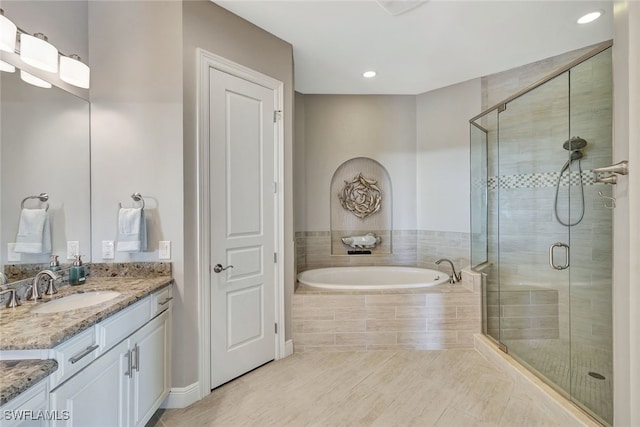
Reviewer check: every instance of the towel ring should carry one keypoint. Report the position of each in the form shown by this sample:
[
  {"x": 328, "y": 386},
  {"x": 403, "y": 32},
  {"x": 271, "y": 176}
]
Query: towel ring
[
  {"x": 43, "y": 197},
  {"x": 137, "y": 197}
]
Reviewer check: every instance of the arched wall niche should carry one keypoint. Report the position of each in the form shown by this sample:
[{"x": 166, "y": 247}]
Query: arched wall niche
[{"x": 345, "y": 223}]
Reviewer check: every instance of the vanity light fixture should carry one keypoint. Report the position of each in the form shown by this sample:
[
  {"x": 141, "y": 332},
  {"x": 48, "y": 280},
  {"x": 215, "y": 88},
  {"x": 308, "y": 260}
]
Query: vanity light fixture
[
  {"x": 36, "y": 50},
  {"x": 74, "y": 72},
  {"x": 7, "y": 33},
  {"x": 7, "y": 67},
  {"x": 33, "y": 80},
  {"x": 369, "y": 74},
  {"x": 590, "y": 17}
]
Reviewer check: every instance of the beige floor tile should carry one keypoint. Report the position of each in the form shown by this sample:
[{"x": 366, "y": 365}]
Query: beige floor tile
[{"x": 441, "y": 388}]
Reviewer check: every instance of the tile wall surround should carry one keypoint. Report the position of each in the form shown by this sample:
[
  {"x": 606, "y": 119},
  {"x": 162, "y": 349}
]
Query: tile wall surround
[
  {"x": 411, "y": 248},
  {"x": 26, "y": 272},
  {"x": 441, "y": 317}
]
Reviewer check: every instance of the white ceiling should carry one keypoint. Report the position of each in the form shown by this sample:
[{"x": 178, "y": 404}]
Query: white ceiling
[{"x": 437, "y": 44}]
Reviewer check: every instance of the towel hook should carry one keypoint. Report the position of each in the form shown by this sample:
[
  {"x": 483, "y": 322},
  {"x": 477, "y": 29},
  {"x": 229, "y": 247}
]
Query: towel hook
[
  {"x": 43, "y": 197},
  {"x": 612, "y": 199},
  {"x": 137, "y": 197}
]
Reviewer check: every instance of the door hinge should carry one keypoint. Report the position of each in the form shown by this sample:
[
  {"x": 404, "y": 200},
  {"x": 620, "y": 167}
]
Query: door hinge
[
  {"x": 276, "y": 328},
  {"x": 275, "y": 187},
  {"x": 275, "y": 257},
  {"x": 277, "y": 115}
]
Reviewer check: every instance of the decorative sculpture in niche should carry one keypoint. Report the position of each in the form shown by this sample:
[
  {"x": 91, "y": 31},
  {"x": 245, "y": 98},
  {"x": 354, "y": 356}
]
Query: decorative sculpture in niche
[
  {"x": 368, "y": 241},
  {"x": 361, "y": 196}
]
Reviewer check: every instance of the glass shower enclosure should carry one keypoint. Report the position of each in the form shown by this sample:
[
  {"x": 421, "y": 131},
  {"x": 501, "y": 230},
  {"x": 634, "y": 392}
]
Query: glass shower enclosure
[{"x": 541, "y": 228}]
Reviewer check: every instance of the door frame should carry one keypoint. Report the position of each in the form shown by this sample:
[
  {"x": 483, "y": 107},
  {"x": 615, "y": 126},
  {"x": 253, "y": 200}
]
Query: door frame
[{"x": 205, "y": 61}]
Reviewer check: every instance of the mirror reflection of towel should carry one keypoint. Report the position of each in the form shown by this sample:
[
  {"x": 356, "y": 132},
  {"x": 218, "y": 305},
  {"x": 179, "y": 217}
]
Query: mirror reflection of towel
[
  {"x": 34, "y": 232},
  {"x": 132, "y": 230}
]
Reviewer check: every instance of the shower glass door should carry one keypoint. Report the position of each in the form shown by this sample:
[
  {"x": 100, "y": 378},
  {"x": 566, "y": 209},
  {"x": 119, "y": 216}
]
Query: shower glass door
[
  {"x": 534, "y": 248},
  {"x": 554, "y": 228},
  {"x": 590, "y": 98}
]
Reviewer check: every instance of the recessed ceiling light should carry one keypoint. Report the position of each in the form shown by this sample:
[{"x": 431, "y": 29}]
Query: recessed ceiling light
[
  {"x": 369, "y": 74},
  {"x": 590, "y": 17}
]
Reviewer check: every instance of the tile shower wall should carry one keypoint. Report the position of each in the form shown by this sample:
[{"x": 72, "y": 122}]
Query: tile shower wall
[{"x": 532, "y": 130}]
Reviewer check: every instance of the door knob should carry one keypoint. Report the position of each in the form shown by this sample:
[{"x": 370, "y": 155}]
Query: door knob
[{"x": 218, "y": 268}]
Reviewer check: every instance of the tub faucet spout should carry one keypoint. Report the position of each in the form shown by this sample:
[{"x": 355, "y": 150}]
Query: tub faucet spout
[{"x": 455, "y": 277}]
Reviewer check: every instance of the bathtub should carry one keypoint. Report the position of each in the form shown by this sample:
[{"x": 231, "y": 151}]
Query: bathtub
[{"x": 372, "y": 278}]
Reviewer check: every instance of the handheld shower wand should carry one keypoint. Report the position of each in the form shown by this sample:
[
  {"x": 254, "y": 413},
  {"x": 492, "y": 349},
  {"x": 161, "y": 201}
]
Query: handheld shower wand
[{"x": 575, "y": 145}]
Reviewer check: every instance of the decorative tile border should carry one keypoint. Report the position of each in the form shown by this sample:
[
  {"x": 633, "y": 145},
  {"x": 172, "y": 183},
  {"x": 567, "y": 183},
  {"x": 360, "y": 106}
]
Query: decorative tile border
[{"x": 540, "y": 180}]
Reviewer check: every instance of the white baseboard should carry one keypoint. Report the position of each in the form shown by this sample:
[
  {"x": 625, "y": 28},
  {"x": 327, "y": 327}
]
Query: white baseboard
[
  {"x": 288, "y": 348},
  {"x": 181, "y": 397}
]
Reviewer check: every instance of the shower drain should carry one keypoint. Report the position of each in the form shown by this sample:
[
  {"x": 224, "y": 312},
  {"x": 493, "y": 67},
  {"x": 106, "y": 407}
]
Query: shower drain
[{"x": 597, "y": 376}]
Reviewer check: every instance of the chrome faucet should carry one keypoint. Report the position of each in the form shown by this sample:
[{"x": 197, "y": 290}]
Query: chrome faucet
[
  {"x": 455, "y": 277},
  {"x": 13, "y": 300},
  {"x": 34, "y": 294}
]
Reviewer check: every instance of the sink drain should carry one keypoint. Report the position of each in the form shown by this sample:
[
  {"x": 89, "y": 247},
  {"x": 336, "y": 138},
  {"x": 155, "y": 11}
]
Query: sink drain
[{"x": 597, "y": 376}]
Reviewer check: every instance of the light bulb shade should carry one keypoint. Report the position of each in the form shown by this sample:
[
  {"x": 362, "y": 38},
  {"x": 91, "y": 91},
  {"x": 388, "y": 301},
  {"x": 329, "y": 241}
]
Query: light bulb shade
[
  {"x": 38, "y": 53},
  {"x": 7, "y": 67},
  {"x": 74, "y": 72},
  {"x": 7, "y": 34},
  {"x": 33, "y": 80}
]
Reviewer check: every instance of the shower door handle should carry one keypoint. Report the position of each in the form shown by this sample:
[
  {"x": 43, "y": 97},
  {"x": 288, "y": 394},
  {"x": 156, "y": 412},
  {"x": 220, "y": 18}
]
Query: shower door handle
[{"x": 552, "y": 263}]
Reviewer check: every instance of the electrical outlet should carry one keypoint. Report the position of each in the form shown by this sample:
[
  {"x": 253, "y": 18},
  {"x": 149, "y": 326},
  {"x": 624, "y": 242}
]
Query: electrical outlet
[
  {"x": 73, "y": 249},
  {"x": 164, "y": 249},
  {"x": 107, "y": 249},
  {"x": 12, "y": 255}
]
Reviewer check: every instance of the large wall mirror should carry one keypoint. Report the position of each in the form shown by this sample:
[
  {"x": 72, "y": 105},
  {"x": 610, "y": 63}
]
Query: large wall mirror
[{"x": 44, "y": 148}]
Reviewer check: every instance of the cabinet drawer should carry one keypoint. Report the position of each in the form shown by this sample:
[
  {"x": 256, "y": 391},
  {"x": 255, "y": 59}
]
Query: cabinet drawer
[
  {"x": 161, "y": 300},
  {"x": 121, "y": 325},
  {"x": 73, "y": 355}
]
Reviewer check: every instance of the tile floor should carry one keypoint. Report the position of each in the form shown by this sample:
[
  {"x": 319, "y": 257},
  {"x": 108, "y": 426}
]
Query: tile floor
[{"x": 454, "y": 388}]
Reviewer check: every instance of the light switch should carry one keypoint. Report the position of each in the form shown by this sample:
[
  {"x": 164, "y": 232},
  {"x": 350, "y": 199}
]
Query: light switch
[
  {"x": 12, "y": 255},
  {"x": 73, "y": 249},
  {"x": 164, "y": 249},
  {"x": 107, "y": 249}
]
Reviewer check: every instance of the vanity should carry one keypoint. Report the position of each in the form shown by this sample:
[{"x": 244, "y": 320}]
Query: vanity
[{"x": 107, "y": 364}]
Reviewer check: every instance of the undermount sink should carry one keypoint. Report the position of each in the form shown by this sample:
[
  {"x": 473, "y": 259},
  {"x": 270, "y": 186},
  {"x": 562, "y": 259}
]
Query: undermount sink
[{"x": 75, "y": 301}]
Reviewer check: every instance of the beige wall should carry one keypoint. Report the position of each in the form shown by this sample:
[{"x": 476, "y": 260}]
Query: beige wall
[
  {"x": 212, "y": 28},
  {"x": 136, "y": 139},
  {"x": 443, "y": 156},
  {"x": 340, "y": 127}
]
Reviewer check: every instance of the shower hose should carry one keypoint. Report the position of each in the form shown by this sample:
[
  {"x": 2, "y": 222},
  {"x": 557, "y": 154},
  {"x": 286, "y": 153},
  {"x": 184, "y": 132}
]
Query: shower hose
[{"x": 555, "y": 210}]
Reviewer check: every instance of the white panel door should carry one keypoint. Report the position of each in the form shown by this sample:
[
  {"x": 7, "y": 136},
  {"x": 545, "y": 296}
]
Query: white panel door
[{"x": 242, "y": 224}]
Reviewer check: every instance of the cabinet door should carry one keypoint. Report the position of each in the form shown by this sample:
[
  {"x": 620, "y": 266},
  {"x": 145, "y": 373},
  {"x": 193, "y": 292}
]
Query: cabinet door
[
  {"x": 98, "y": 395},
  {"x": 150, "y": 349}
]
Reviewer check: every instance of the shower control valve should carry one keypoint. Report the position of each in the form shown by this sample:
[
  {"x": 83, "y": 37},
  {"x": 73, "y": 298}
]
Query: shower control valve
[
  {"x": 611, "y": 179},
  {"x": 620, "y": 168}
]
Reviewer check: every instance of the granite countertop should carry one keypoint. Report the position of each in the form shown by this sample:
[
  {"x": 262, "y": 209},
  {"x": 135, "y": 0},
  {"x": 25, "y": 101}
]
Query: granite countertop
[
  {"x": 19, "y": 375},
  {"x": 22, "y": 330}
]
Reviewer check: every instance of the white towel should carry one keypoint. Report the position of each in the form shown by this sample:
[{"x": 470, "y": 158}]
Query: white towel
[
  {"x": 34, "y": 232},
  {"x": 132, "y": 230}
]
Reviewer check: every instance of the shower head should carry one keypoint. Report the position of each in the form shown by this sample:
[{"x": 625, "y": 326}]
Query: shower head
[{"x": 575, "y": 143}]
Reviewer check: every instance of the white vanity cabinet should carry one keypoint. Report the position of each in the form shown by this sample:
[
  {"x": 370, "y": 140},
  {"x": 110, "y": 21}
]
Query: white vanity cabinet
[{"x": 128, "y": 381}]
